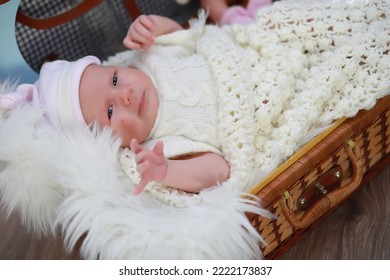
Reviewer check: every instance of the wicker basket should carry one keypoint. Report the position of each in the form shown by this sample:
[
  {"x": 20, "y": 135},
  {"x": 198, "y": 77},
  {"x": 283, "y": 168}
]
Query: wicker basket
[{"x": 322, "y": 175}]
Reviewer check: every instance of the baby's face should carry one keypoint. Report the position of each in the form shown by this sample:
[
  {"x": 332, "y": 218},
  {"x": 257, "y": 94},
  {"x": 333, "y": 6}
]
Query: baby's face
[{"x": 120, "y": 97}]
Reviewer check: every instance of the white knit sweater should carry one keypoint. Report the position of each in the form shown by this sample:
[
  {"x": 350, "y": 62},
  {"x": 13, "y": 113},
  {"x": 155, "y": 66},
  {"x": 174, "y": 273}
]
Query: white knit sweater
[{"x": 187, "y": 113}]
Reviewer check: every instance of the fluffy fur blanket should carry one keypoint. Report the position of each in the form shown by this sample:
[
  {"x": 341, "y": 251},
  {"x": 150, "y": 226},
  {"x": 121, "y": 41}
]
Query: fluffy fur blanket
[{"x": 299, "y": 67}]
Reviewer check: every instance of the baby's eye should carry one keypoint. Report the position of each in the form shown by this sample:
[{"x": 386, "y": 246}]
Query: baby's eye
[
  {"x": 110, "y": 111},
  {"x": 115, "y": 79}
]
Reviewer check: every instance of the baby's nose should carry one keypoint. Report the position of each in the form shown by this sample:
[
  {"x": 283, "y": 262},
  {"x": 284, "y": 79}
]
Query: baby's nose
[{"x": 125, "y": 96}]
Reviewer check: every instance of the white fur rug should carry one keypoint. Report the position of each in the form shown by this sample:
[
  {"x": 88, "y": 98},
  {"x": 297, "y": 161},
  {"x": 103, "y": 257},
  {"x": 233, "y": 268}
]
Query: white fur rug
[{"x": 72, "y": 182}]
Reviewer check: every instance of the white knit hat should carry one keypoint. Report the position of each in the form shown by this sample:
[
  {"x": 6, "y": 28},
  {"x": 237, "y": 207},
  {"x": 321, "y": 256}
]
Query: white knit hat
[{"x": 58, "y": 90}]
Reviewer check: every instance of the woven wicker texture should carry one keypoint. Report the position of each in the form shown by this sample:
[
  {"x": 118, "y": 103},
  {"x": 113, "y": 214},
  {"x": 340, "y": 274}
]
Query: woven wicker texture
[{"x": 369, "y": 131}]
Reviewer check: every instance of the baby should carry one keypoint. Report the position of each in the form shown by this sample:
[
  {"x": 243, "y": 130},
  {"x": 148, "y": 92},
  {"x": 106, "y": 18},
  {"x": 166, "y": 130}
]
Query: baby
[{"x": 84, "y": 92}]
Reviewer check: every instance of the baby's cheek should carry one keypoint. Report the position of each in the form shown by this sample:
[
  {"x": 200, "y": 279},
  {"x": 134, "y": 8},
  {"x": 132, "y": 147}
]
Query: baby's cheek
[
  {"x": 126, "y": 130},
  {"x": 126, "y": 124}
]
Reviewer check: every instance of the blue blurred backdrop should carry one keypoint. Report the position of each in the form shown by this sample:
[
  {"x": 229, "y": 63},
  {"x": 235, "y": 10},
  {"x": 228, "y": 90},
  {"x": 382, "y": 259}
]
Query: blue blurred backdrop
[{"x": 12, "y": 64}]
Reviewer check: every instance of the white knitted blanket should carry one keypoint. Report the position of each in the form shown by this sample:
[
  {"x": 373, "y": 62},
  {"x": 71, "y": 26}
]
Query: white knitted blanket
[
  {"x": 305, "y": 64},
  {"x": 300, "y": 66}
]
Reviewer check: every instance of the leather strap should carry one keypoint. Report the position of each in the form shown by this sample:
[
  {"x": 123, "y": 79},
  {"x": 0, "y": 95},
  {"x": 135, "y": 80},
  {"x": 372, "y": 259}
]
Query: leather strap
[
  {"x": 132, "y": 8},
  {"x": 59, "y": 19},
  {"x": 73, "y": 13}
]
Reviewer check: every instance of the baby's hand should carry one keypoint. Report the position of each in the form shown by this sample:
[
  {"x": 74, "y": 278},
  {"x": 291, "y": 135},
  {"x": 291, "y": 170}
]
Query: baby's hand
[
  {"x": 140, "y": 33},
  {"x": 151, "y": 164}
]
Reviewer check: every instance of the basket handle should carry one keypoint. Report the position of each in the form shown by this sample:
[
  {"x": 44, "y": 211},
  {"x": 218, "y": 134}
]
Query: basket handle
[{"x": 329, "y": 200}]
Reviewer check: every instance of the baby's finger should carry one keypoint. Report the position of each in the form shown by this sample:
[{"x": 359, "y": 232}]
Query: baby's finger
[
  {"x": 158, "y": 148},
  {"x": 140, "y": 157},
  {"x": 135, "y": 147},
  {"x": 140, "y": 187},
  {"x": 142, "y": 34},
  {"x": 142, "y": 39},
  {"x": 130, "y": 44},
  {"x": 148, "y": 22}
]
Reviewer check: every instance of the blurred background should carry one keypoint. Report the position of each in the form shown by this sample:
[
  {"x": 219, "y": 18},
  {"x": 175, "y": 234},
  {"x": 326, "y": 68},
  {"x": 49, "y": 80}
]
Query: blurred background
[
  {"x": 12, "y": 64},
  {"x": 35, "y": 31}
]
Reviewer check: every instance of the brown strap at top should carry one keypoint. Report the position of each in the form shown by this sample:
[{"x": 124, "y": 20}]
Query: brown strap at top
[
  {"x": 59, "y": 19},
  {"x": 132, "y": 8},
  {"x": 76, "y": 11}
]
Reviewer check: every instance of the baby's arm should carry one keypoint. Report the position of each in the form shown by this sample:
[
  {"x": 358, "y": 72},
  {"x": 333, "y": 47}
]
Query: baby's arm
[
  {"x": 191, "y": 173},
  {"x": 145, "y": 28},
  {"x": 216, "y": 8}
]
